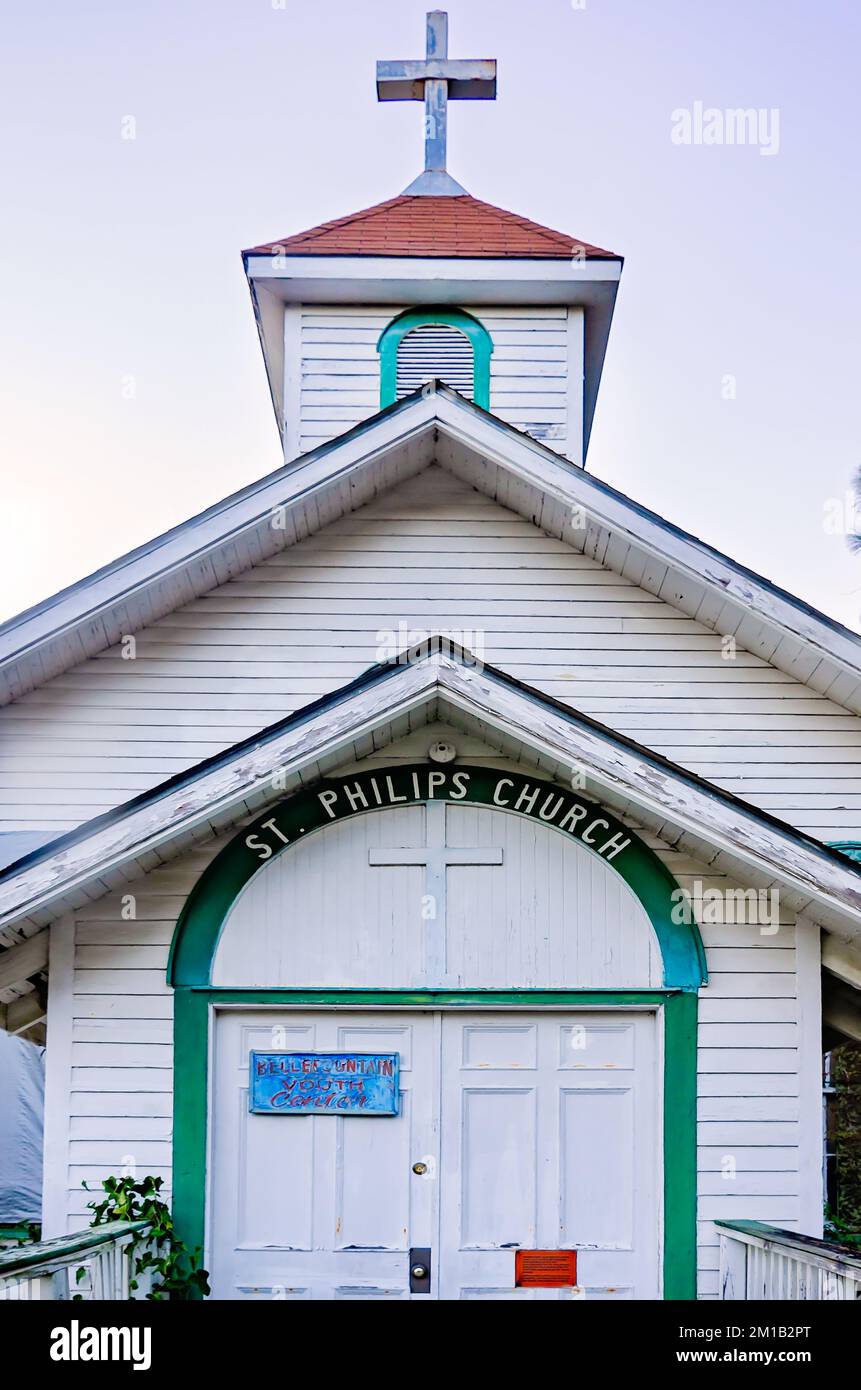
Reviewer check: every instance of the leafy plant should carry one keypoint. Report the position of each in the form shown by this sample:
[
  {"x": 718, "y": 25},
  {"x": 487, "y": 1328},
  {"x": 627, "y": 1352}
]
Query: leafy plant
[
  {"x": 844, "y": 1218},
  {"x": 34, "y": 1233},
  {"x": 839, "y": 1231},
  {"x": 176, "y": 1270}
]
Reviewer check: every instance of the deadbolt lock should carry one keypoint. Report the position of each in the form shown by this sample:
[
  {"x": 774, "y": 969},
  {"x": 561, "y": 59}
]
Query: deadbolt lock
[{"x": 420, "y": 1168}]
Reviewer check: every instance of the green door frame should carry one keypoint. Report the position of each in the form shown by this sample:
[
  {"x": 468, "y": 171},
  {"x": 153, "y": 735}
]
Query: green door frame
[
  {"x": 193, "y": 1020},
  {"x": 196, "y": 998}
]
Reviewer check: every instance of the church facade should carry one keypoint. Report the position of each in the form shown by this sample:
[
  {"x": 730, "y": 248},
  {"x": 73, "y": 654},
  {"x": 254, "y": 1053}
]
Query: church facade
[{"x": 436, "y": 858}]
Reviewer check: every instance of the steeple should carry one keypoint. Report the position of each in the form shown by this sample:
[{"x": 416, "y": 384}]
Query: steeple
[
  {"x": 358, "y": 312},
  {"x": 436, "y": 81}
]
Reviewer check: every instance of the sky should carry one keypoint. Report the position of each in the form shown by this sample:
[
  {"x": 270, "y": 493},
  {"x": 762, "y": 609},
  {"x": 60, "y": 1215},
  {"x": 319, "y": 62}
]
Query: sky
[{"x": 143, "y": 145}]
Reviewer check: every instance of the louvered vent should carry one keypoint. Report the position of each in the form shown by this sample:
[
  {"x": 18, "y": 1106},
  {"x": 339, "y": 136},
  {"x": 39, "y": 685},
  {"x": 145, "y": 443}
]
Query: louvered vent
[{"x": 435, "y": 350}]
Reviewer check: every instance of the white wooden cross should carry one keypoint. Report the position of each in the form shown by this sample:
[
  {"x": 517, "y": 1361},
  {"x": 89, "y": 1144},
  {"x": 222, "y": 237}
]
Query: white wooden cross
[
  {"x": 436, "y": 857},
  {"x": 436, "y": 81}
]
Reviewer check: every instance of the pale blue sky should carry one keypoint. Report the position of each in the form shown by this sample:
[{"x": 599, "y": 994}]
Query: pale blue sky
[{"x": 121, "y": 266}]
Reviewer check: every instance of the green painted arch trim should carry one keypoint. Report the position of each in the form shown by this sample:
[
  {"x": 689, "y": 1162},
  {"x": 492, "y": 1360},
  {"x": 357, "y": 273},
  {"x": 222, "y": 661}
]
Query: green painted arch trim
[
  {"x": 292, "y": 820},
  {"x": 851, "y": 848},
  {"x": 390, "y": 340}
]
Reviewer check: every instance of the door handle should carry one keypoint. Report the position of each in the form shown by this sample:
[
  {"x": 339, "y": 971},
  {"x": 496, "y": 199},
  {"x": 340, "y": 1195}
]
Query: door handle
[{"x": 420, "y": 1269}]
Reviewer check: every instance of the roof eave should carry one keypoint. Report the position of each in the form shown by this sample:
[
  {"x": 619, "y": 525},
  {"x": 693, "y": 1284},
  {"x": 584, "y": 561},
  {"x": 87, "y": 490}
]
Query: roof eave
[
  {"x": 481, "y": 274},
  {"x": 219, "y": 792},
  {"x": 196, "y": 550}
]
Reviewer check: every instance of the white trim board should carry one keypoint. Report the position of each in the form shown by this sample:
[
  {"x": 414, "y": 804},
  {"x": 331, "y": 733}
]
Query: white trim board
[
  {"x": 809, "y": 986},
  {"x": 58, "y": 1078},
  {"x": 352, "y": 279}
]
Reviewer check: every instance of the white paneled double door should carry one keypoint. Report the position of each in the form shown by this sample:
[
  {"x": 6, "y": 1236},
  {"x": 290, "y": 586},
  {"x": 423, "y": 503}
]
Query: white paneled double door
[{"x": 531, "y": 1131}]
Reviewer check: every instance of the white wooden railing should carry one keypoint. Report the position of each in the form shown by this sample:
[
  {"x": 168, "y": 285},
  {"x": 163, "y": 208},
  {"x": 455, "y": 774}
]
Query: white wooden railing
[
  {"x": 761, "y": 1262},
  {"x": 91, "y": 1264}
]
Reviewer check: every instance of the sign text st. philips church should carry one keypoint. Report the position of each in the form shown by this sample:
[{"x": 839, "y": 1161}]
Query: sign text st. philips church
[{"x": 335, "y": 800}]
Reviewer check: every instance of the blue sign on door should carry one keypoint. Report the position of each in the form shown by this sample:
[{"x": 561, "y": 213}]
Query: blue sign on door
[{"x": 324, "y": 1083}]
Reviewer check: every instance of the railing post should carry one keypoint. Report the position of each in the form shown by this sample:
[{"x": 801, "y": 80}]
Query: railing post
[{"x": 733, "y": 1268}]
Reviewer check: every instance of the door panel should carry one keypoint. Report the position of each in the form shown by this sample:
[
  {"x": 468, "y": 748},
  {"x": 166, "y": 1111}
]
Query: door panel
[
  {"x": 320, "y": 1206},
  {"x": 497, "y": 1168},
  {"x": 549, "y": 1140},
  {"x": 596, "y": 1147}
]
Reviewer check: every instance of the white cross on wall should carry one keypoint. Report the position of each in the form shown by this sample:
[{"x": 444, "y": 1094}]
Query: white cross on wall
[{"x": 436, "y": 857}]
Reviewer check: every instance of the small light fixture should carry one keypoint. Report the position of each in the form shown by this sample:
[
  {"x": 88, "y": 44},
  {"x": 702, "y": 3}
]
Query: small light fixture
[{"x": 442, "y": 752}]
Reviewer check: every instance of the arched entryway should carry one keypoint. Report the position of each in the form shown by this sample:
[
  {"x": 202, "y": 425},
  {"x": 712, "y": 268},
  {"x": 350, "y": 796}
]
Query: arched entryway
[{"x": 556, "y": 930}]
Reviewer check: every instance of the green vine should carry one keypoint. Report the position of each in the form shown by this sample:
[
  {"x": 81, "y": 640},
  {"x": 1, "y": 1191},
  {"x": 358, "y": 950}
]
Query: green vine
[{"x": 176, "y": 1269}]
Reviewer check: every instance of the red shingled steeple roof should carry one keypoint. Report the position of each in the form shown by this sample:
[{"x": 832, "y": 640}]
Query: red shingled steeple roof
[{"x": 434, "y": 226}]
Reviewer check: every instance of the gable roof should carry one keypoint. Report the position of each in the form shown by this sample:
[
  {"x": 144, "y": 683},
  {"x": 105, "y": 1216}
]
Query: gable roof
[
  {"x": 434, "y": 424},
  {"x": 436, "y": 680},
  {"x": 434, "y": 227}
]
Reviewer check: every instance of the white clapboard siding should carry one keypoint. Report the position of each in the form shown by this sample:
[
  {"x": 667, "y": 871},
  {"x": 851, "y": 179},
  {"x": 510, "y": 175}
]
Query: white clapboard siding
[
  {"x": 121, "y": 1096},
  {"x": 748, "y": 1089},
  {"x": 340, "y": 372},
  {"x": 431, "y": 555},
  {"x": 748, "y": 1106}
]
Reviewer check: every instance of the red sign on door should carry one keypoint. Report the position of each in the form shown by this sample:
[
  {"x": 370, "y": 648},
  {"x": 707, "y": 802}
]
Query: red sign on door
[{"x": 545, "y": 1269}]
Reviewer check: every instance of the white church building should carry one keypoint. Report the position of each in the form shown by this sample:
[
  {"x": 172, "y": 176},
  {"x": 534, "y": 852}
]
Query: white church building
[{"x": 430, "y": 861}]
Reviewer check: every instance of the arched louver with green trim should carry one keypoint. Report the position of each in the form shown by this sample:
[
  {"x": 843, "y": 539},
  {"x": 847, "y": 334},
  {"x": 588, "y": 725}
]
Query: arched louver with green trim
[
  {"x": 435, "y": 350},
  {"x": 423, "y": 344}
]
